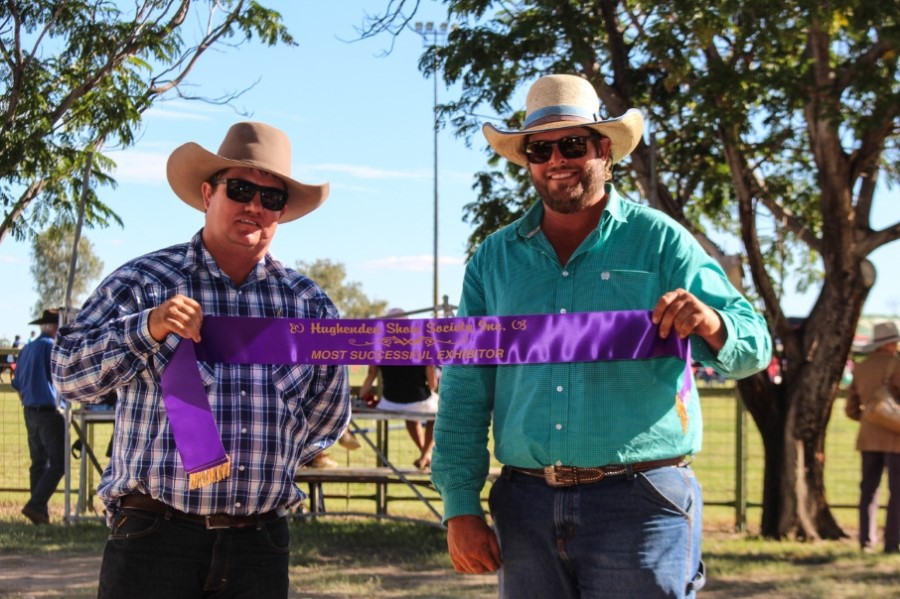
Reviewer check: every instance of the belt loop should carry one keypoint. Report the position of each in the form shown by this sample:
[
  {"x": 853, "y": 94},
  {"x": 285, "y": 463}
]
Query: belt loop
[{"x": 629, "y": 472}]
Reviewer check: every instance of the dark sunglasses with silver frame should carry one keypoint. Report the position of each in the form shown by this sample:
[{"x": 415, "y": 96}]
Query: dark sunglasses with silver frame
[
  {"x": 241, "y": 191},
  {"x": 571, "y": 146}
]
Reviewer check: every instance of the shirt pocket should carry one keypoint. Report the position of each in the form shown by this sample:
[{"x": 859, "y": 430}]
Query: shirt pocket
[
  {"x": 627, "y": 289},
  {"x": 291, "y": 381},
  {"x": 208, "y": 376}
]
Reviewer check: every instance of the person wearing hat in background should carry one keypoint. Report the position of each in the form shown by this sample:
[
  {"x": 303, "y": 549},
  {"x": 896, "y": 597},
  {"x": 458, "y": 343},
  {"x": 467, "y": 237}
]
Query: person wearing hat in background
[
  {"x": 229, "y": 537},
  {"x": 628, "y": 521},
  {"x": 45, "y": 425},
  {"x": 407, "y": 389},
  {"x": 879, "y": 447}
]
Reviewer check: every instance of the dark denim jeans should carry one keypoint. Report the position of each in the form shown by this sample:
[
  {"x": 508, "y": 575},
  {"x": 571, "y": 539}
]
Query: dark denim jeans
[
  {"x": 46, "y": 444},
  {"x": 874, "y": 463},
  {"x": 150, "y": 555},
  {"x": 620, "y": 538}
]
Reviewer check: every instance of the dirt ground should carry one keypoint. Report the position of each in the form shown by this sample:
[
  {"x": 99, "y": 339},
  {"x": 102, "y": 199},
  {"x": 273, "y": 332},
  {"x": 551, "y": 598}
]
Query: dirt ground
[
  {"x": 76, "y": 576},
  {"x": 72, "y": 577}
]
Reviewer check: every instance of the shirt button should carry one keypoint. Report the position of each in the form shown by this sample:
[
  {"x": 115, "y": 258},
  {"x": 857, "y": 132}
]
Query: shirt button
[
  {"x": 244, "y": 431},
  {"x": 565, "y": 273},
  {"x": 241, "y": 468},
  {"x": 559, "y": 427},
  {"x": 563, "y": 311},
  {"x": 243, "y": 394},
  {"x": 237, "y": 504},
  {"x": 559, "y": 388},
  {"x": 559, "y": 462}
]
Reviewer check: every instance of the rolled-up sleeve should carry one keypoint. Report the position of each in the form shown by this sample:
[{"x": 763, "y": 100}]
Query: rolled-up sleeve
[{"x": 106, "y": 346}]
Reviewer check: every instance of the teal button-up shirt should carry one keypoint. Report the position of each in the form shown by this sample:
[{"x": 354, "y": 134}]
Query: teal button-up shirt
[{"x": 584, "y": 414}]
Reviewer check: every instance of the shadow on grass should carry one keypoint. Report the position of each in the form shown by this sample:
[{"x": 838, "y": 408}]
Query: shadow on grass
[{"x": 367, "y": 542}]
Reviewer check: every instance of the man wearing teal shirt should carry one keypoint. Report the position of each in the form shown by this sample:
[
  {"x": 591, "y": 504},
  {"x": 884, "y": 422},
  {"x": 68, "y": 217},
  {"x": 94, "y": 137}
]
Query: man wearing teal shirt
[{"x": 596, "y": 497}]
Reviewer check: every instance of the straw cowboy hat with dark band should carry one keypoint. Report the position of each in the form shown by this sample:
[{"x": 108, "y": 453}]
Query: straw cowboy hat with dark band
[
  {"x": 248, "y": 145},
  {"x": 559, "y": 102}
]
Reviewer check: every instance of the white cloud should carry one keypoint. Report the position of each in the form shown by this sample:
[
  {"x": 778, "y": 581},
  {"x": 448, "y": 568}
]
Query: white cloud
[
  {"x": 422, "y": 263},
  {"x": 183, "y": 110},
  {"x": 368, "y": 172},
  {"x": 139, "y": 166}
]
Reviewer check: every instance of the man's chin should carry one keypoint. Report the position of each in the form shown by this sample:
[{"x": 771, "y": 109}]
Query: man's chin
[
  {"x": 248, "y": 240},
  {"x": 564, "y": 203}
]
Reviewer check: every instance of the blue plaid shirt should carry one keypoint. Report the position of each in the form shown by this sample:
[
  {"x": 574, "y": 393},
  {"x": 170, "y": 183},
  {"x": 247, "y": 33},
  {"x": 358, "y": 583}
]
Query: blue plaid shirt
[{"x": 272, "y": 419}]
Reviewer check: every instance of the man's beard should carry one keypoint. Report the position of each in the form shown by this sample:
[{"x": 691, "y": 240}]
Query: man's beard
[{"x": 575, "y": 198}]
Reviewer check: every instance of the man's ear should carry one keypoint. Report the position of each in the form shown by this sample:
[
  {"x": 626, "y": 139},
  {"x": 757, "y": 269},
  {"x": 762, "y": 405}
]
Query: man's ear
[
  {"x": 604, "y": 145},
  {"x": 206, "y": 191}
]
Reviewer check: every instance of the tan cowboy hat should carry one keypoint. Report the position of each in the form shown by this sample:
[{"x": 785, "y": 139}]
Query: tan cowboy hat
[
  {"x": 560, "y": 102},
  {"x": 882, "y": 334},
  {"x": 248, "y": 145},
  {"x": 50, "y": 316}
]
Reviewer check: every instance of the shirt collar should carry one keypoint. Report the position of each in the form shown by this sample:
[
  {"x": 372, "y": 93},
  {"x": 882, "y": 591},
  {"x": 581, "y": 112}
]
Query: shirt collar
[{"x": 198, "y": 257}]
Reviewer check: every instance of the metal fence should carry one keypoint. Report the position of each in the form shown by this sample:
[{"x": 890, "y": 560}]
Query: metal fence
[{"x": 730, "y": 467}]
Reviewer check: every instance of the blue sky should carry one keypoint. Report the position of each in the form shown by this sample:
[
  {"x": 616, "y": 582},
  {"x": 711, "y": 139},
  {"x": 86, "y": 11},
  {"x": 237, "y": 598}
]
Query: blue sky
[{"x": 357, "y": 118}]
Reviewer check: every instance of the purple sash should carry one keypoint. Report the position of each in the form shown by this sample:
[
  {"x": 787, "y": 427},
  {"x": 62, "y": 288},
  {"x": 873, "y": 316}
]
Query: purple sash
[{"x": 473, "y": 340}]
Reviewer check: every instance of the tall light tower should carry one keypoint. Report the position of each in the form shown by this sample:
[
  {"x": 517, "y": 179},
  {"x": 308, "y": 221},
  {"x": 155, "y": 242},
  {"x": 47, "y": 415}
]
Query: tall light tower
[{"x": 433, "y": 34}]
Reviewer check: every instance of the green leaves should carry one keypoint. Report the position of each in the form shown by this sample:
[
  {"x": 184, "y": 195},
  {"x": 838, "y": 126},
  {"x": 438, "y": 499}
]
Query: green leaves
[
  {"x": 348, "y": 296},
  {"x": 76, "y": 73},
  {"x": 51, "y": 256}
]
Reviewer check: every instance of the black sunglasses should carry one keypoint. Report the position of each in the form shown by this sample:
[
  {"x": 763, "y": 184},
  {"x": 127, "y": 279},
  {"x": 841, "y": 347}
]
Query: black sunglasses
[
  {"x": 242, "y": 191},
  {"x": 572, "y": 146}
]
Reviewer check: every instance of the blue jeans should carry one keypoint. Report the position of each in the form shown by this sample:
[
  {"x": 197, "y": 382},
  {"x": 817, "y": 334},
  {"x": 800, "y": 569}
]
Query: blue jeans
[
  {"x": 621, "y": 537},
  {"x": 46, "y": 445},
  {"x": 150, "y": 555}
]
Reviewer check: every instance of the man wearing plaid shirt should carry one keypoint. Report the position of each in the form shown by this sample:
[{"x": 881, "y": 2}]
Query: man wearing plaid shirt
[{"x": 231, "y": 536}]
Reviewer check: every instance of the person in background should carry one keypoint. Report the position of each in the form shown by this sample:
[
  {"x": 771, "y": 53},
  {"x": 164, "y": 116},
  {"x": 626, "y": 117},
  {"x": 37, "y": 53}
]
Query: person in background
[
  {"x": 407, "y": 389},
  {"x": 596, "y": 497},
  {"x": 879, "y": 447},
  {"x": 323, "y": 460},
  {"x": 9, "y": 362},
  {"x": 45, "y": 425},
  {"x": 230, "y": 537}
]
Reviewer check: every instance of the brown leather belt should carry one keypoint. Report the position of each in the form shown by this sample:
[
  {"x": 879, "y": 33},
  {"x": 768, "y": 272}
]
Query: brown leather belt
[
  {"x": 139, "y": 501},
  {"x": 568, "y": 476}
]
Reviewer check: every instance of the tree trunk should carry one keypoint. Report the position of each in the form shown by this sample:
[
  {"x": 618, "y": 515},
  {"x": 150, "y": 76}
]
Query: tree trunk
[
  {"x": 765, "y": 401},
  {"x": 792, "y": 418}
]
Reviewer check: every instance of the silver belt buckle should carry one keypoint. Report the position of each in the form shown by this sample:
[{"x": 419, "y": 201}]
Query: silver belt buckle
[{"x": 552, "y": 478}]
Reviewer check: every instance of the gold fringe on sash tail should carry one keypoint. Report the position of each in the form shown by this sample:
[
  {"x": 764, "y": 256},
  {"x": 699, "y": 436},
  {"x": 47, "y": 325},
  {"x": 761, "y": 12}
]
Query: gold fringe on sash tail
[
  {"x": 210, "y": 475},
  {"x": 682, "y": 414}
]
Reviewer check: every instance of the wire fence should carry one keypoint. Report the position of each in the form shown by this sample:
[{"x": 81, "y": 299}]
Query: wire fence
[{"x": 730, "y": 467}]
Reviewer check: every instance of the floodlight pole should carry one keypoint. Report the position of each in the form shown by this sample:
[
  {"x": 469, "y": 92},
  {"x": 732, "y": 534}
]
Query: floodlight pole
[{"x": 437, "y": 33}]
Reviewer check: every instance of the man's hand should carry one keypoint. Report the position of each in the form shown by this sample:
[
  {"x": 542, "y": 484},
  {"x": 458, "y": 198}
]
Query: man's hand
[
  {"x": 680, "y": 311},
  {"x": 180, "y": 315},
  {"x": 473, "y": 545}
]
